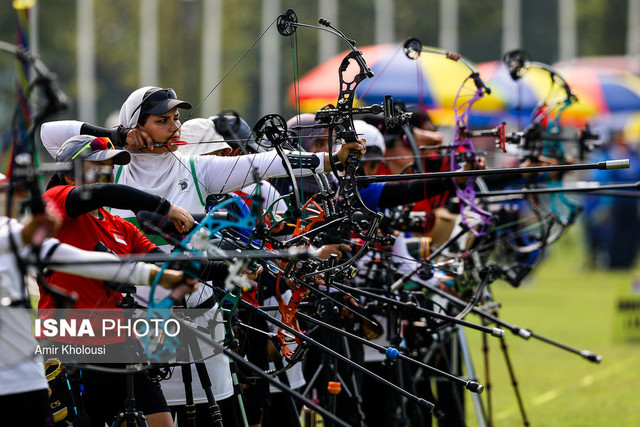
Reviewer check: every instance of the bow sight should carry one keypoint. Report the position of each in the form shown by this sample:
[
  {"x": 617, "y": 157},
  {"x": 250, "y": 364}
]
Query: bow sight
[
  {"x": 394, "y": 116},
  {"x": 534, "y": 140},
  {"x": 516, "y": 61}
]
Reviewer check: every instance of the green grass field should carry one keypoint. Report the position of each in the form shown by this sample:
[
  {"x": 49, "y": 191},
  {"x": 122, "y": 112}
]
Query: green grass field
[{"x": 569, "y": 303}]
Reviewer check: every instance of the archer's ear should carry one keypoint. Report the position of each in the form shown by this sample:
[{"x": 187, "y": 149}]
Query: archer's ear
[{"x": 68, "y": 179}]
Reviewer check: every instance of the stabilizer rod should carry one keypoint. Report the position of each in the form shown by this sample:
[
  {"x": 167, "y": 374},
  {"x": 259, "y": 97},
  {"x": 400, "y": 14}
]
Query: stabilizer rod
[
  {"x": 496, "y": 332},
  {"x": 273, "y": 381},
  {"x": 577, "y": 189},
  {"x": 606, "y": 165},
  {"x": 516, "y": 330},
  {"x": 393, "y": 354},
  {"x": 417, "y": 400}
]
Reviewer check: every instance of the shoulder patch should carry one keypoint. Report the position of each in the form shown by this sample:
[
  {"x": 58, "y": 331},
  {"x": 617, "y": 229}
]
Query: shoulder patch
[{"x": 120, "y": 239}]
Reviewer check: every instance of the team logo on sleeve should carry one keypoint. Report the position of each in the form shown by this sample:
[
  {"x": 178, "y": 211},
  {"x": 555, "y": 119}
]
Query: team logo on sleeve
[
  {"x": 183, "y": 184},
  {"x": 119, "y": 238}
]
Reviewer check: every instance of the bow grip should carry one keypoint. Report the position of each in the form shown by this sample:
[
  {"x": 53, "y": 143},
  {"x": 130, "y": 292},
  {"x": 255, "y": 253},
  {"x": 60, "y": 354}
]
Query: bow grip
[
  {"x": 178, "y": 293},
  {"x": 352, "y": 161},
  {"x": 191, "y": 269},
  {"x": 354, "y": 156},
  {"x": 296, "y": 297}
]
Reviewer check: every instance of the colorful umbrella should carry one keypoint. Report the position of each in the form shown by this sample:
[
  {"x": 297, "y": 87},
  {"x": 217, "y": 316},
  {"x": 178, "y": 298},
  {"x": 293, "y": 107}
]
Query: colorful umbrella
[
  {"x": 627, "y": 123},
  {"x": 599, "y": 91},
  {"x": 604, "y": 90},
  {"x": 432, "y": 82},
  {"x": 632, "y": 128},
  {"x": 619, "y": 62}
]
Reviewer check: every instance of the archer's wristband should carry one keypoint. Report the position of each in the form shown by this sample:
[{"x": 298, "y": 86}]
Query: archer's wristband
[
  {"x": 303, "y": 161},
  {"x": 117, "y": 135},
  {"x": 164, "y": 206},
  {"x": 336, "y": 162}
]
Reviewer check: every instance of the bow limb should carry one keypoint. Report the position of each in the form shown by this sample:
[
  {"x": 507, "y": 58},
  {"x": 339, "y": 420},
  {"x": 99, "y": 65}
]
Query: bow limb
[
  {"x": 364, "y": 221},
  {"x": 318, "y": 210},
  {"x": 353, "y": 70},
  {"x": 470, "y": 91},
  {"x": 161, "y": 347},
  {"x": 274, "y": 128},
  {"x": 315, "y": 212},
  {"x": 288, "y": 312},
  {"x": 235, "y": 284},
  {"x": 25, "y": 125},
  {"x": 473, "y": 218},
  {"x": 463, "y": 144},
  {"x": 275, "y": 220},
  {"x": 543, "y": 140},
  {"x": 23, "y": 171},
  {"x": 197, "y": 243}
]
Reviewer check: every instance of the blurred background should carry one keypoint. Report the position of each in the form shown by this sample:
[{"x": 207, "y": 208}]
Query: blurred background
[
  {"x": 227, "y": 54},
  {"x": 101, "y": 51}
]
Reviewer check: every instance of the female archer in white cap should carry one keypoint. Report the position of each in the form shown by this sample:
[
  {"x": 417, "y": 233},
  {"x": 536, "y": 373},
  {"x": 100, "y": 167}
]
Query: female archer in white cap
[{"x": 150, "y": 131}]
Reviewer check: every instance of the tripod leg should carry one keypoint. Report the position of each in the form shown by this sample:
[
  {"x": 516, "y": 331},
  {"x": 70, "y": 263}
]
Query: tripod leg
[
  {"x": 323, "y": 367},
  {"x": 514, "y": 382},
  {"x": 130, "y": 415},
  {"x": 190, "y": 406},
  {"x": 237, "y": 391},
  {"x": 450, "y": 395},
  {"x": 466, "y": 354},
  {"x": 487, "y": 379},
  {"x": 354, "y": 383},
  {"x": 214, "y": 410},
  {"x": 421, "y": 382},
  {"x": 313, "y": 379},
  {"x": 333, "y": 397},
  {"x": 403, "y": 401}
]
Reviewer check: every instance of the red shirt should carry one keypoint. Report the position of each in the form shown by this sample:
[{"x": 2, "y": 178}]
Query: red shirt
[{"x": 84, "y": 232}]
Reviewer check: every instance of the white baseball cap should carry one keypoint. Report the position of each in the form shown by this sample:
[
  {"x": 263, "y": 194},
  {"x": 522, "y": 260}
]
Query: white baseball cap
[
  {"x": 201, "y": 138},
  {"x": 374, "y": 138}
]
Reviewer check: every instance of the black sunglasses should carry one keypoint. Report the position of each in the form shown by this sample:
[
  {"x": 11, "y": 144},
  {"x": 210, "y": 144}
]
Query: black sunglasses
[{"x": 154, "y": 96}]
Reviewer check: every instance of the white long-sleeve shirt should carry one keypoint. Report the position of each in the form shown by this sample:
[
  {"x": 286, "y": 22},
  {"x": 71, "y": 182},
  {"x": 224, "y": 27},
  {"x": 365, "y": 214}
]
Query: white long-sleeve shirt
[
  {"x": 21, "y": 370},
  {"x": 185, "y": 182}
]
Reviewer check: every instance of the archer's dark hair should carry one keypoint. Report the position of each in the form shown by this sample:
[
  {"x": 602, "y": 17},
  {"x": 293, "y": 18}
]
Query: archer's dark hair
[{"x": 55, "y": 180}]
